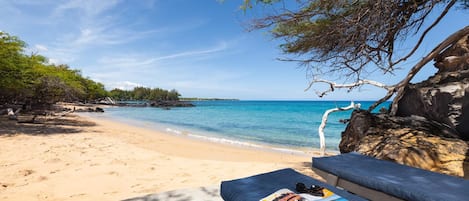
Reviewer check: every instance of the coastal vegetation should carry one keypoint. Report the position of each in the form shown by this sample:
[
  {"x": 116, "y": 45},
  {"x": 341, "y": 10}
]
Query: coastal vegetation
[
  {"x": 31, "y": 80},
  {"x": 209, "y": 99},
  {"x": 145, "y": 94}
]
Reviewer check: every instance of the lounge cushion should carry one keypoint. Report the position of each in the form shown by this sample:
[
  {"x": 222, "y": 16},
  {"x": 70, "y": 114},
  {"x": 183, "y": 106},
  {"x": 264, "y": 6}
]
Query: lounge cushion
[
  {"x": 259, "y": 186},
  {"x": 401, "y": 181}
]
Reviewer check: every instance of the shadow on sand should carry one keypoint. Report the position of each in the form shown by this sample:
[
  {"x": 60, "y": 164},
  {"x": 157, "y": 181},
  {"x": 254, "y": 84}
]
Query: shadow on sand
[
  {"x": 42, "y": 125},
  {"x": 211, "y": 193}
]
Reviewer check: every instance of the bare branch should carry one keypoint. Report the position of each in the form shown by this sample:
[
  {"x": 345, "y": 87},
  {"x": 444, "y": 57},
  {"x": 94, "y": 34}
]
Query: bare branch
[
  {"x": 322, "y": 139},
  {"x": 349, "y": 86},
  {"x": 417, "y": 45},
  {"x": 391, "y": 92}
]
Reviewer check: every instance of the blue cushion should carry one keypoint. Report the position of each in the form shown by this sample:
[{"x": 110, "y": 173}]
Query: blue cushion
[
  {"x": 401, "y": 181},
  {"x": 259, "y": 186}
]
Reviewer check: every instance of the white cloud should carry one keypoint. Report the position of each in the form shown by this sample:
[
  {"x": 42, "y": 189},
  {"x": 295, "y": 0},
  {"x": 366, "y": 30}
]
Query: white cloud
[
  {"x": 94, "y": 24},
  {"x": 136, "y": 60},
  {"x": 89, "y": 9},
  {"x": 40, "y": 47},
  {"x": 97, "y": 35},
  {"x": 125, "y": 85},
  {"x": 220, "y": 47},
  {"x": 62, "y": 55},
  {"x": 54, "y": 61}
]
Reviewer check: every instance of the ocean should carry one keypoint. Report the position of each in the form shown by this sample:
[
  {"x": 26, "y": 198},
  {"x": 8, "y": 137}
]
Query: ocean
[{"x": 282, "y": 125}]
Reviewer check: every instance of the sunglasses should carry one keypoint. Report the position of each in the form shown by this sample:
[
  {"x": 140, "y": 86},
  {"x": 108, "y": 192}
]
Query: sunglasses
[{"x": 313, "y": 190}]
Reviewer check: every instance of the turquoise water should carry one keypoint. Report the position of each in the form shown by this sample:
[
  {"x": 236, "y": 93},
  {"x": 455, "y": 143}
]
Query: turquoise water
[{"x": 281, "y": 124}]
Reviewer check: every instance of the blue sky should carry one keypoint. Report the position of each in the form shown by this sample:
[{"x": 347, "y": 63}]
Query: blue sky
[{"x": 199, "y": 47}]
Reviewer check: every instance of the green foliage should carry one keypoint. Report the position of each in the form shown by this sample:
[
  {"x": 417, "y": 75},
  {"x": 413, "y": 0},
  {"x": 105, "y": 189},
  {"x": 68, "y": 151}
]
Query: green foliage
[
  {"x": 29, "y": 78},
  {"x": 144, "y": 93},
  {"x": 14, "y": 70},
  {"x": 248, "y": 3},
  {"x": 352, "y": 38}
]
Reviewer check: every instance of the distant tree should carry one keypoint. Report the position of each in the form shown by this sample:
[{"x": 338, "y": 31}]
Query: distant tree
[
  {"x": 141, "y": 93},
  {"x": 120, "y": 94},
  {"x": 94, "y": 90},
  {"x": 157, "y": 94},
  {"x": 353, "y": 38},
  {"x": 173, "y": 95},
  {"x": 144, "y": 93}
]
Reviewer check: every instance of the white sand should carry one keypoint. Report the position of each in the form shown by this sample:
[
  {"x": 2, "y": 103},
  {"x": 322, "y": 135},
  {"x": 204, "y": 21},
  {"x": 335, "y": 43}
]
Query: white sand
[{"x": 114, "y": 161}]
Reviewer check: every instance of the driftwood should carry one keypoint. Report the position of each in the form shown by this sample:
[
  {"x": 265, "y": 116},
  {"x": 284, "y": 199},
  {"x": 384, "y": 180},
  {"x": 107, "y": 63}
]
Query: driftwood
[
  {"x": 322, "y": 139},
  {"x": 29, "y": 121},
  {"x": 13, "y": 115}
]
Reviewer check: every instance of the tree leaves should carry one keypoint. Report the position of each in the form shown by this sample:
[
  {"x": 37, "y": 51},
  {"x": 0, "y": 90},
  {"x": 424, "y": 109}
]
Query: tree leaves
[
  {"x": 29, "y": 78},
  {"x": 351, "y": 37},
  {"x": 144, "y": 93}
]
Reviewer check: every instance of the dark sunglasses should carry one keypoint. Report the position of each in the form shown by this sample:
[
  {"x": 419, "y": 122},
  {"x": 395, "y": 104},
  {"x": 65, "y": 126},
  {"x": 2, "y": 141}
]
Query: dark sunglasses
[{"x": 313, "y": 190}]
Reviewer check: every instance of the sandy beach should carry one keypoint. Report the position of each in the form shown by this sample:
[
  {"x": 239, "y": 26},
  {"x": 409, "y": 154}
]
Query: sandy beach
[{"x": 87, "y": 158}]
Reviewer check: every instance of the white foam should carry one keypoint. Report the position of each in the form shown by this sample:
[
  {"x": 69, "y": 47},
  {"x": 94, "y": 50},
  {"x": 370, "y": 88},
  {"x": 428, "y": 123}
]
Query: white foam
[
  {"x": 288, "y": 150},
  {"x": 174, "y": 131},
  {"x": 232, "y": 142}
]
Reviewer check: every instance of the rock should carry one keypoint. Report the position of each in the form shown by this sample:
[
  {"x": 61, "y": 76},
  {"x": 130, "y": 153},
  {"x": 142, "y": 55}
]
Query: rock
[
  {"x": 444, "y": 98},
  {"x": 454, "y": 58},
  {"x": 431, "y": 127},
  {"x": 412, "y": 140},
  {"x": 169, "y": 104}
]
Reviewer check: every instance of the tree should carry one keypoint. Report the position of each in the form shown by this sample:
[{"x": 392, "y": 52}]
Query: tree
[
  {"x": 49, "y": 90},
  {"x": 120, "y": 94},
  {"x": 144, "y": 93},
  {"x": 30, "y": 79},
  {"x": 173, "y": 95},
  {"x": 14, "y": 69},
  {"x": 353, "y": 38}
]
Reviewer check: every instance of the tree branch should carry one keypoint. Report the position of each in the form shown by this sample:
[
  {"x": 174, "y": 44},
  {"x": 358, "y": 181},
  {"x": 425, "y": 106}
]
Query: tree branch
[
  {"x": 452, "y": 39},
  {"x": 349, "y": 86},
  {"x": 322, "y": 139},
  {"x": 451, "y": 4}
]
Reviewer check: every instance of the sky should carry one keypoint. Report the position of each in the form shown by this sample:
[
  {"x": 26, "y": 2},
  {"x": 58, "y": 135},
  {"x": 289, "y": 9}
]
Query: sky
[{"x": 199, "y": 47}]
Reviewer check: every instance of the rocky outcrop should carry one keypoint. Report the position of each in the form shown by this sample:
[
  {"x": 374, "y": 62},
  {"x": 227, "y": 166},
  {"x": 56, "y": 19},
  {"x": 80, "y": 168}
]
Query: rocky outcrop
[
  {"x": 430, "y": 129},
  {"x": 169, "y": 104},
  {"x": 414, "y": 141},
  {"x": 454, "y": 58},
  {"x": 443, "y": 98},
  {"x": 159, "y": 104}
]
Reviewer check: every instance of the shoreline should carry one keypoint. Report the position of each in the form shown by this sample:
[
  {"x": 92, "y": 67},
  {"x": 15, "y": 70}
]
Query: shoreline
[
  {"x": 193, "y": 134},
  {"x": 86, "y": 158},
  {"x": 286, "y": 125},
  {"x": 151, "y": 130},
  {"x": 187, "y": 134}
]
